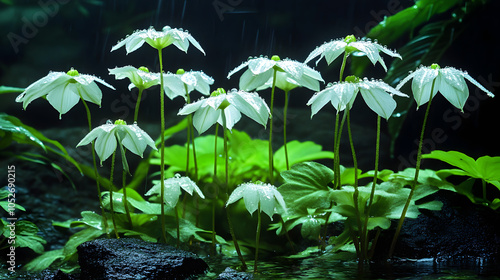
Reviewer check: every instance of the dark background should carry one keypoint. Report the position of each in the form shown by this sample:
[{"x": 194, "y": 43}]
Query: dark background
[{"x": 80, "y": 34}]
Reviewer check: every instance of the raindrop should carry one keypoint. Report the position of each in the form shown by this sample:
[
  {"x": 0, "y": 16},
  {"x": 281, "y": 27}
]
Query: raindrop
[{"x": 109, "y": 122}]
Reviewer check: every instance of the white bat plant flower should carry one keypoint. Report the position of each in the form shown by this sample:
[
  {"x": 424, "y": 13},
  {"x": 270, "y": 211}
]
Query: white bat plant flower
[
  {"x": 108, "y": 135},
  {"x": 158, "y": 39},
  {"x": 182, "y": 83},
  {"x": 333, "y": 49},
  {"x": 140, "y": 77},
  {"x": 208, "y": 111},
  {"x": 289, "y": 72},
  {"x": 173, "y": 188},
  {"x": 376, "y": 94},
  {"x": 449, "y": 81},
  {"x": 258, "y": 197},
  {"x": 64, "y": 90}
]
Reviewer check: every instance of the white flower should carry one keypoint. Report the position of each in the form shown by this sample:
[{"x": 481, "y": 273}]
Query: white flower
[
  {"x": 140, "y": 78},
  {"x": 175, "y": 84},
  {"x": 158, "y": 39},
  {"x": 331, "y": 50},
  {"x": 173, "y": 189},
  {"x": 377, "y": 95},
  {"x": 208, "y": 111},
  {"x": 449, "y": 81},
  {"x": 258, "y": 194},
  {"x": 261, "y": 70},
  {"x": 64, "y": 90},
  {"x": 131, "y": 137}
]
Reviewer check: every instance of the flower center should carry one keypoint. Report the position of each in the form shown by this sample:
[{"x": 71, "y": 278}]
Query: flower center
[
  {"x": 72, "y": 72},
  {"x": 120, "y": 122},
  {"x": 352, "y": 79},
  {"x": 224, "y": 103},
  {"x": 180, "y": 71},
  {"x": 435, "y": 66},
  {"x": 144, "y": 69}
]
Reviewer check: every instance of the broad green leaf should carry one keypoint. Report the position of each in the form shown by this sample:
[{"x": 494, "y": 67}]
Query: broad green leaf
[
  {"x": 23, "y": 134},
  {"x": 306, "y": 186},
  {"x": 45, "y": 260},
  {"x": 299, "y": 152},
  {"x": 26, "y": 236}
]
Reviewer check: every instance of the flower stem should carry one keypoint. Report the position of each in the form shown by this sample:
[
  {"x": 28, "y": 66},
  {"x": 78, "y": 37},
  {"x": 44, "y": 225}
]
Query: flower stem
[
  {"x": 125, "y": 201},
  {"x": 257, "y": 239},
  {"x": 139, "y": 97},
  {"x": 162, "y": 149},
  {"x": 362, "y": 248},
  {"x": 271, "y": 162},
  {"x": 112, "y": 210},
  {"x": 231, "y": 228},
  {"x": 415, "y": 180},
  {"x": 284, "y": 129},
  {"x": 96, "y": 172},
  {"x": 177, "y": 224},
  {"x": 372, "y": 193},
  {"x": 214, "y": 202}
]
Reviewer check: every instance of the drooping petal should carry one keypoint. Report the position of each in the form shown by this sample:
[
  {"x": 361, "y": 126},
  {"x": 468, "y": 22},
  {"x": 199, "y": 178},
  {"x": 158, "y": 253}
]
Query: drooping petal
[
  {"x": 232, "y": 116},
  {"x": 320, "y": 99},
  {"x": 63, "y": 98},
  {"x": 251, "y": 105},
  {"x": 42, "y": 87},
  {"x": 474, "y": 82},
  {"x": 204, "y": 118},
  {"x": 105, "y": 144},
  {"x": 191, "y": 107},
  {"x": 241, "y": 66},
  {"x": 267, "y": 200},
  {"x": 379, "y": 101},
  {"x": 452, "y": 86},
  {"x": 422, "y": 84},
  {"x": 260, "y": 65},
  {"x": 250, "y": 81},
  {"x": 345, "y": 93},
  {"x": 136, "y": 139},
  {"x": 173, "y": 86},
  {"x": 251, "y": 197},
  {"x": 91, "y": 93}
]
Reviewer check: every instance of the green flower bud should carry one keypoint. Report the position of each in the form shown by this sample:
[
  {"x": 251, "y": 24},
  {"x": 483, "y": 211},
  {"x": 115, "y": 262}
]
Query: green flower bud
[
  {"x": 435, "y": 66},
  {"x": 350, "y": 39},
  {"x": 120, "y": 122},
  {"x": 352, "y": 79},
  {"x": 144, "y": 69},
  {"x": 72, "y": 72},
  {"x": 218, "y": 92},
  {"x": 275, "y": 58},
  {"x": 180, "y": 71}
]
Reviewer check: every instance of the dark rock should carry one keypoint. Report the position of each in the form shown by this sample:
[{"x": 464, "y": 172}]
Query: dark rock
[
  {"x": 461, "y": 230},
  {"x": 54, "y": 275},
  {"x": 231, "y": 274},
  {"x": 129, "y": 258}
]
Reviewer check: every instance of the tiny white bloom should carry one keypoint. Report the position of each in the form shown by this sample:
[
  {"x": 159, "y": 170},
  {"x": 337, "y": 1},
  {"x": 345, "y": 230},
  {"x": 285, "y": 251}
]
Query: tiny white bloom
[
  {"x": 376, "y": 94},
  {"x": 158, "y": 39},
  {"x": 290, "y": 74},
  {"x": 333, "y": 49},
  {"x": 172, "y": 187},
  {"x": 449, "y": 81},
  {"x": 255, "y": 194},
  {"x": 208, "y": 111},
  {"x": 175, "y": 84},
  {"x": 131, "y": 137},
  {"x": 140, "y": 78},
  {"x": 64, "y": 90}
]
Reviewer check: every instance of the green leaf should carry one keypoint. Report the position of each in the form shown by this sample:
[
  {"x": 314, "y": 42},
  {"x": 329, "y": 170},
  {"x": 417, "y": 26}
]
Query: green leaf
[
  {"x": 299, "y": 152},
  {"x": 306, "y": 186},
  {"x": 44, "y": 261},
  {"x": 21, "y": 132},
  {"x": 26, "y": 236}
]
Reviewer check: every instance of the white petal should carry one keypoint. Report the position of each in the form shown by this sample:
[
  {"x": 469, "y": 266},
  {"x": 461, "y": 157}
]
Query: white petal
[
  {"x": 422, "y": 84},
  {"x": 105, "y": 145},
  {"x": 251, "y": 105},
  {"x": 63, "y": 98},
  {"x": 453, "y": 87},
  {"x": 379, "y": 101},
  {"x": 232, "y": 116},
  {"x": 260, "y": 65},
  {"x": 243, "y": 65},
  {"x": 320, "y": 99},
  {"x": 250, "y": 81},
  {"x": 204, "y": 118}
]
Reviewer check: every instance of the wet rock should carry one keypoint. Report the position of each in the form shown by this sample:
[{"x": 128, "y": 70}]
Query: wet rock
[
  {"x": 231, "y": 274},
  {"x": 461, "y": 230},
  {"x": 129, "y": 258}
]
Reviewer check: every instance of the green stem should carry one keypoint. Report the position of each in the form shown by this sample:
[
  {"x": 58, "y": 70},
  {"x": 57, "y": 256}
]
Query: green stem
[
  {"x": 178, "y": 227},
  {"x": 231, "y": 228},
  {"x": 112, "y": 210},
  {"x": 374, "y": 183},
  {"x": 415, "y": 180},
  {"x": 271, "y": 161},
  {"x": 139, "y": 97},
  {"x": 125, "y": 201},
  {"x": 362, "y": 248},
  {"x": 214, "y": 202},
  {"x": 484, "y": 189},
  {"x": 257, "y": 239},
  {"x": 338, "y": 182},
  {"x": 284, "y": 129},
  {"x": 96, "y": 172},
  {"x": 162, "y": 149}
]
